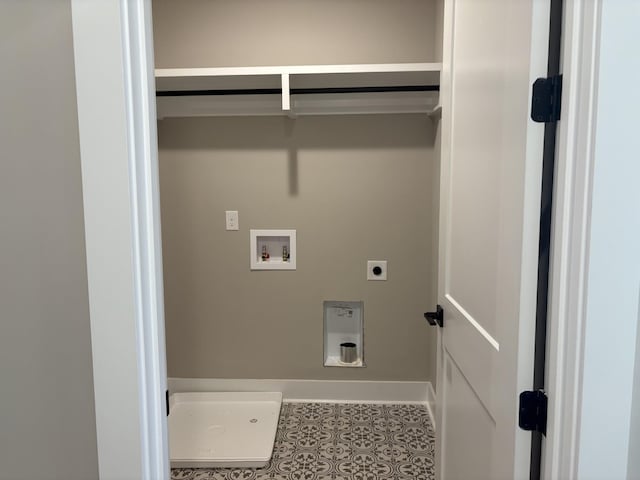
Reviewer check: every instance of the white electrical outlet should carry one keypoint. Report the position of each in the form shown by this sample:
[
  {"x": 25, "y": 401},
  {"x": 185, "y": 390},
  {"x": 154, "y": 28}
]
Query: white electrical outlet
[
  {"x": 232, "y": 220},
  {"x": 376, "y": 270}
]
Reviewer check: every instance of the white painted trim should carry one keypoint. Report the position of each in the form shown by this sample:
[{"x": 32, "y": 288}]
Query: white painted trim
[
  {"x": 487, "y": 336},
  {"x": 446, "y": 125},
  {"x": 113, "y": 55},
  {"x": 340, "y": 391},
  {"x": 580, "y": 367},
  {"x": 297, "y": 70},
  {"x": 569, "y": 245},
  {"x": 147, "y": 242},
  {"x": 107, "y": 216},
  {"x": 286, "y": 93},
  {"x": 431, "y": 403}
]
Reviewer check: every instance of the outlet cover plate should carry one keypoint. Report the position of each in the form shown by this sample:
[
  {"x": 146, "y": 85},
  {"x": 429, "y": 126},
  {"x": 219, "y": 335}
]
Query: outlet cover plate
[
  {"x": 232, "y": 222},
  {"x": 372, "y": 264}
]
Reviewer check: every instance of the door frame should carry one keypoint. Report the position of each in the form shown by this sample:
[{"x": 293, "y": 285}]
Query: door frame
[
  {"x": 115, "y": 88},
  {"x": 569, "y": 259},
  {"x": 113, "y": 47},
  {"x": 569, "y": 316}
]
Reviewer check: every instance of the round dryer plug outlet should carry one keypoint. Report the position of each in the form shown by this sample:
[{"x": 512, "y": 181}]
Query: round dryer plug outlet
[{"x": 376, "y": 270}]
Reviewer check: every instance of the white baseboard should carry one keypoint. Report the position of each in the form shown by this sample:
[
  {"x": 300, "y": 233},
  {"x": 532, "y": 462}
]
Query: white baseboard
[
  {"x": 431, "y": 403},
  {"x": 341, "y": 391}
]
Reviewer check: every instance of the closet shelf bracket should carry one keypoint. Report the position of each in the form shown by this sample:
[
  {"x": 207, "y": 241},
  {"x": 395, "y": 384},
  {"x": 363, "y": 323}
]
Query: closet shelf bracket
[{"x": 286, "y": 93}]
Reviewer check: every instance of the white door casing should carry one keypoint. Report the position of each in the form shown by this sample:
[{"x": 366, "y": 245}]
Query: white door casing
[
  {"x": 113, "y": 53},
  {"x": 492, "y": 55},
  {"x": 489, "y": 226},
  {"x": 594, "y": 314}
]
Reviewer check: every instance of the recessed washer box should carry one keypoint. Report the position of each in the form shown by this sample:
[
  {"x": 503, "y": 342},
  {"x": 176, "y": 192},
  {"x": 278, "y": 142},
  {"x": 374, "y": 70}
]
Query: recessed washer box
[{"x": 272, "y": 249}]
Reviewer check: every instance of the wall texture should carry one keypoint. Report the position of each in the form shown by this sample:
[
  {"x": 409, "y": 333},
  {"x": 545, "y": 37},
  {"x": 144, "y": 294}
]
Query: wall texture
[
  {"x": 355, "y": 188},
  {"x": 226, "y": 33},
  {"x": 47, "y": 420}
]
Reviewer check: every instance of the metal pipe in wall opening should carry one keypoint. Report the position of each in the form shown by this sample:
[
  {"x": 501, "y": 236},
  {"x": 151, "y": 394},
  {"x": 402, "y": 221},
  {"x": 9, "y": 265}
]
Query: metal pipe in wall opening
[{"x": 348, "y": 352}]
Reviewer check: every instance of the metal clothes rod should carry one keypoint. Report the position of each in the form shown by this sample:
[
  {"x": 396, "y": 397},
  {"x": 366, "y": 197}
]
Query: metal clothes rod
[{"x": 299, "y": 91}]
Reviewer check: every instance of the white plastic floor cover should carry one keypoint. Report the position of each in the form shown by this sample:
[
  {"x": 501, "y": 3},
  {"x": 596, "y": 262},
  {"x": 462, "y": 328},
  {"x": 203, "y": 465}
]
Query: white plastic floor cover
[{"x": 223, "y": 429}]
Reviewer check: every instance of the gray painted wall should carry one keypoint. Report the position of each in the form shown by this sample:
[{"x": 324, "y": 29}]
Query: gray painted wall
[
  {"x": 47, "y": 420},
  {"x": 354, "y": 187},
  {"x": 226, "y": 33}
]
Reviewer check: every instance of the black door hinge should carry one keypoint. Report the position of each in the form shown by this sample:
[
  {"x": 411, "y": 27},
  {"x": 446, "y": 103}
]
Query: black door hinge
[
  {"x": 546, "y": 99},
  {"x": 533, "y": 411},
  {"x": 435, "y": 318},
  {"x": 166, "y": 399}
]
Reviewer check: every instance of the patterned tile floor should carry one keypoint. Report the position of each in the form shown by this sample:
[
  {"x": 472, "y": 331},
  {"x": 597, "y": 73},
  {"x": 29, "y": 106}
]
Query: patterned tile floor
[{"x": 320, "y": 441}]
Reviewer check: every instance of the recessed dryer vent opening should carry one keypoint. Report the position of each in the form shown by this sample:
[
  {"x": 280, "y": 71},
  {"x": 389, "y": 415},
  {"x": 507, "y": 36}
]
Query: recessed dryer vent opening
[{"x": 343, "y": 334}]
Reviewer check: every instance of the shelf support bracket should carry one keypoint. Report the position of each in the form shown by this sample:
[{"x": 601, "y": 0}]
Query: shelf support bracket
[{"x": 286, "y": 93}]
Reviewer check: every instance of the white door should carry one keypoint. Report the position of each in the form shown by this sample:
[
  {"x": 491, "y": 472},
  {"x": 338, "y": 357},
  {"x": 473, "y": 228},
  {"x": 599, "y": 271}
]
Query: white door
[{"x": 490, "y": 203}]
